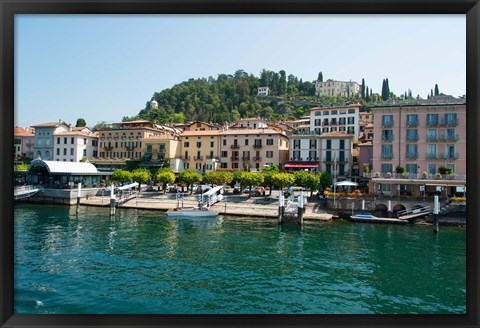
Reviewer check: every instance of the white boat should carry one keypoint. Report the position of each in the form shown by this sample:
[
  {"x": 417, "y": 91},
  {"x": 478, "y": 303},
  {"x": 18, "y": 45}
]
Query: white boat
[{"x": 191, "y": 212}]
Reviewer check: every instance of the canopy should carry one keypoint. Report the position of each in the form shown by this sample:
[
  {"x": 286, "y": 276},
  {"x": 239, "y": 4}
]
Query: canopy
[
  {"x": 304, "y": 165},
  {"x": 346, "y": 183},
  {"x": 128, "y": 186}
]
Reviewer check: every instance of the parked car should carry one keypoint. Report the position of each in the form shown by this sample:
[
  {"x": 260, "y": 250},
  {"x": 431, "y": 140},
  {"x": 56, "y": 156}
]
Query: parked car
[{"x": 259, "y": 191}]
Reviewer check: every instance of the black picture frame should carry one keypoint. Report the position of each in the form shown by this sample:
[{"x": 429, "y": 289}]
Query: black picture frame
[{"x": 471, "y": 8}]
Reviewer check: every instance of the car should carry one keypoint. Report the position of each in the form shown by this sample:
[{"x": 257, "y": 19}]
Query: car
[
  {"x": 247, "y": 190},
  {"x": 259, "y": 191}
]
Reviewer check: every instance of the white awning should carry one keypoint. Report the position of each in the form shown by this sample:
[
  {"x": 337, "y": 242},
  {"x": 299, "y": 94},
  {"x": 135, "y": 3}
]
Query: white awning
[
  {"x": 129, "y": 186},
  {"x": 347, "y": 183}
]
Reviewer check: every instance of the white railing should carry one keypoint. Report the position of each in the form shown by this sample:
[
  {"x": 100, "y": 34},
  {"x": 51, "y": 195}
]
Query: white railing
[{"x": 415, "y": 176}]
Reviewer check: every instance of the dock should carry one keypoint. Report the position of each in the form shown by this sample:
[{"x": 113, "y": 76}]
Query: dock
[{"x": 372, "y": 219}]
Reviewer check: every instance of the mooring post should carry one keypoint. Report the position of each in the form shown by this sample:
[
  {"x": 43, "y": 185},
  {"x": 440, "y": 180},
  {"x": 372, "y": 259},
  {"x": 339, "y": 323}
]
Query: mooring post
[
  {"x": 363, "y": 205},
  {"x": 112, "y": 200},
  {"x": 435, "y": 213},
  {"x": 389, "y": 207},
  {"x": 300, "y": 208},
  {"x": 79, "y": 194},
  {"x": 281, "y": 207}
]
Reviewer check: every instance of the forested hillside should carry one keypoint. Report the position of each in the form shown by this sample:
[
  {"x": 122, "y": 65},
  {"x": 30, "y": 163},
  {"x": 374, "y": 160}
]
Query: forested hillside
[{"x": 231, "y": 97}]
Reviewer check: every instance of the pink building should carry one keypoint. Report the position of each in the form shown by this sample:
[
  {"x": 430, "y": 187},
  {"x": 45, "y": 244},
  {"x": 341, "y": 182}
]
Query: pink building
[
  {"x": 23, "y": 142},
  {"x": 423, "y": 140}
]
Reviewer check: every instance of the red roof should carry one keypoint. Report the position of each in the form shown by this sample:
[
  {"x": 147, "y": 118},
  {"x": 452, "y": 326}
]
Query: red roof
[{"x": 302, "y": 165}]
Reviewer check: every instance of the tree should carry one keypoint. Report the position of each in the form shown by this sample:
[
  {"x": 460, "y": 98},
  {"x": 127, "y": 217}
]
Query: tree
[
  {"x": 367, "y": 95},
  {"x": 363, "y": 88},
  {"x": 80, "y": 123},
  {"x": 165, "y": 176},
  {"x": 121, "y": 176},
  {"x": 140, "y": 175},
  {"x": 436, "y": 90},
  {"x": 385, "y": 90},
  {"x": 268, "y": 172},
  {"x": 281, "y": 180},
  {"x": 218, "y": 177},
  {"x": 325, "y": 180},
  {"x": 189, "y": 177},
  {"x": 320, "y": 77},
  {"x": 100, "y": 126}
]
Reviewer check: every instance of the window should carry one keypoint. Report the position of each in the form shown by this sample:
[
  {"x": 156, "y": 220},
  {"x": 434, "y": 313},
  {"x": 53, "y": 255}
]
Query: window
[
  {"x": 58, "y": 141},
  {"x": 72, "y": 141},
  {"x": 198, "y": 166},
  {"x": 432, "y": 168},
  {"x": 450, "y": 134},
  {"x": 431, "y": 151},
  {"x": 431, "y": 134},
  {"x": 223, "y": 165},
  {"x": 84, "y": 152},
  {"x": 412, "y": 119},
  {"x": 412, "y": 151},
  {"x": 186, "y": 144},
  {"x": 269, "y": 154},
  {"x": 246, "y": 142},
  {"x": 318, "y": 122},
  {"x": 212, "y": 143},
  {"x": 224, "y": 153},
  {"x": 387, "y": 135},
  {"x": 342, "y": 120},
  {"x": 71, "y": 151},
  {"x": 432, "y": 119},
  {"x": 387, "y": 167},
  {"x": 387, "y": 151},
  {"x": 64, "y": 151},
  {"x": 411, "y": 168},
  {"x": 318, "y": 113},
  {"x": 65, "y": 141},
  {"x": 450, "y": 151},
  {"x": 224, "y": 142},
  {"x": 312, "y": 154},
  {"x": 343, "y": 111},
  {"x": 334, "y": 112},
  {"x": 342, "y": 144},
  {"x": 186, "y": 166},
  {"x": 149, "y": 148},
  {"x": 352, "y": 111},
  {"x": 326, "y": 112},
  {"x": 351, "y": 120},
  {"x": 387, "y": 120},
  {"x": 269, "y": 142},
  {"x": 450, "y": 118},
  {"x": 84, "y": 141},
  {"x": 412, "y": 134},
  {"x": 58, "y": 151}
]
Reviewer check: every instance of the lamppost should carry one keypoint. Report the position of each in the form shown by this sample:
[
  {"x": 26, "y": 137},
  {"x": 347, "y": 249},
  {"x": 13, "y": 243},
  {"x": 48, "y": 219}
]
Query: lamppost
[{"x": 334, "y": 182}]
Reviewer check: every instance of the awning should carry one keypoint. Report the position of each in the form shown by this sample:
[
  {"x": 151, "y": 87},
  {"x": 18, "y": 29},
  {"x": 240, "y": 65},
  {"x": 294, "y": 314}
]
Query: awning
[
  {"x": 443, "y": 184},
  {"x": 347, "y": 183},
  {"x": 311, "y": 165}
]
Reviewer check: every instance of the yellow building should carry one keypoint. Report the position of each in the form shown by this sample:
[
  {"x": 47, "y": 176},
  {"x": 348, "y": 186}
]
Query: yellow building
[{"x": 200, "y": 150}]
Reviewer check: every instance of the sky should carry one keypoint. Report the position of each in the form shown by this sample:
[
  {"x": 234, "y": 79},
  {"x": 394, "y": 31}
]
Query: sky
[{"x": 105, "y": 67}]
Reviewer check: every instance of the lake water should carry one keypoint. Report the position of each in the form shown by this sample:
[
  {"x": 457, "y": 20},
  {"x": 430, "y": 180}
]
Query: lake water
[{"x": 140, "y": 262}]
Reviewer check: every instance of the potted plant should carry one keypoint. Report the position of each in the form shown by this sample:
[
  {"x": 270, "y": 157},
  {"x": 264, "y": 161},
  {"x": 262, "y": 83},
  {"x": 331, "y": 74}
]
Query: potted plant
[
  {"x": 377, "y": 174},
  {"x": 388, "y": 175},
  {"x": 424, "y": 174},
  {"x": 452, "y": 175},
  {"x": 405, "y": 174},
  {"x": 438, "y": 175}
]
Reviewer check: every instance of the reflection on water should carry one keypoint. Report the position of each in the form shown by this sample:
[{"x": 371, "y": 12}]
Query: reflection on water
[{"x": 140, "y": 262}]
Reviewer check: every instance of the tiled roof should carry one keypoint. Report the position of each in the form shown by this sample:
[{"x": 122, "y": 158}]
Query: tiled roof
[
  {"x": 337, "y": 107},
  {"x": 46, "y": 125},
  {"x": 75, "y": 133},
  {"x": 336, "y": 134},
  {"x": 201, "y": 133},
  {"x": 23, "y": 132},
  {"x": 249, "y": 131}
]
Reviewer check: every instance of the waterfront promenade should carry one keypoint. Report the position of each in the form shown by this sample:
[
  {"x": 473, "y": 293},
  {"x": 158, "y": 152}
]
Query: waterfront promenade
[{"x": 234, "y": 205}]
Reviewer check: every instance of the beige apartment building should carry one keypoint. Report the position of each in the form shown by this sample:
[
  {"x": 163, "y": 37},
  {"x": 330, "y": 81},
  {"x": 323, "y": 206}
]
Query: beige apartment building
[
  {"x": 128, "y": 141},
  {"x": 253, "y": 148},
  {"x": 421, "y": 139},
  {"x": 337, "y": 88},
  {"x": 199, "y": 150}
]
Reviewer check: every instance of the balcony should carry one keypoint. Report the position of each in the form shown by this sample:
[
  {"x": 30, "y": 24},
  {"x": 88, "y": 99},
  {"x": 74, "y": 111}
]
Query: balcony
[
  {"x": 387, "y": 123},
  {"x": 198, "y": 158},
  {"x": 185, "y": 158},
  {"x": 108, "y": 148},
  {"x": 412, "y": 123},
  {"x": 257, "y": 146},
  {"x": 432, "y": 123},
  {"x": 412, "y": 155},
  {"x": 434, "y": 156},
  {"x": 447, "y": 138},
  {"x": 246, "y": 158},
  {"x": 257, "y": 158},
  {"x": 234, "y": 158},
  {"x": 387, "y": 156},
  {"x": 449, "y": 122},
  {"x": 432, "y": 138},
  {"x": 387, "y": 137},
  {"x": 212, "y": 157},
  {"x": 412, "y": 138},
  {"x": 234, "y": 146},
  {"x": 450, "y": 156}
]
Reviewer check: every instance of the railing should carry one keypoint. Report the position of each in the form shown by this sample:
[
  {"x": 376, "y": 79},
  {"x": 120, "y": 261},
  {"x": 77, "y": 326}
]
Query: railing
[
  {"x": 234, "y": 146},
  {"x": 257, "y": 158},
  {"x": 246, "y": 158},
  {"x": 432, "y": 122},
  {"x": 387, "y": 137},
  {"x": 198, "y": 158},
  {"x": 412, "y": 123},
  {"x": 412, "y": 138},
  {"x": 234, "y": 158},
  {"x": 387, "y": 156},
  {"x": 412, "y": 155},
  {"x": 387, "y": 123},
  {"x": 449, "y": 122},
  {"x": 429, "y": 176},
  {"x": 257, "y": 146},
  {"x": 419, "y": 211}
]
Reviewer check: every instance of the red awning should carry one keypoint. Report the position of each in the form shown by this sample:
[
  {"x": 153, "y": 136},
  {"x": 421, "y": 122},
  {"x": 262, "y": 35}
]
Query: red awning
[{"x": 304, "y": 165}]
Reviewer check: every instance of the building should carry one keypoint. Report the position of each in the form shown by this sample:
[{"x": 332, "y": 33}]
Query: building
[
  {"x": 200, "y": 150},
  {"x": 337, "y": 88},
  {"x": 365, "y": 156},
  {"x": 159, "y": 151},
  {"x": 253, "y": 148},
  {"x": 250, "y": 123},
  {"x": 75, "y": 145},
  {"x": 336, "y": 119},
  {"x": 44, "y": 138},
  {"x": 263, "y": 91},
  {"x": 126, "y": 141},
  {"x": 23, "y": 140},
  {"x": 419, "y": 138},
  {"x": 304, "y": 152},
  {"x": 335, "y": 152}
]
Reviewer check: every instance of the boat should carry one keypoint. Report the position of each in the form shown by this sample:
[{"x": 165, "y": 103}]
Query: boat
[
  {"x": 369, "y": 218},
  {"x": 191, "y": 212}
]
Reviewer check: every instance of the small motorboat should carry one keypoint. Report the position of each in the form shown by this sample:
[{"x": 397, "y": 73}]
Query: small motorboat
[{"x": 373, "y": 219}]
